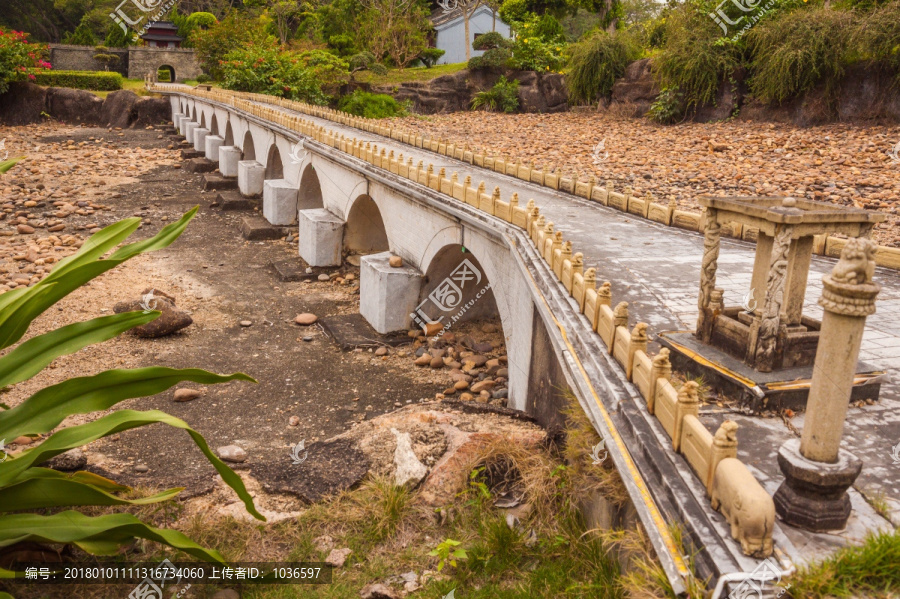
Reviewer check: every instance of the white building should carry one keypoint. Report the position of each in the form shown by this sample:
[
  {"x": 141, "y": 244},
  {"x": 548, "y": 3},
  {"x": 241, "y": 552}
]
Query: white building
[{"x": 450, "y": 29}]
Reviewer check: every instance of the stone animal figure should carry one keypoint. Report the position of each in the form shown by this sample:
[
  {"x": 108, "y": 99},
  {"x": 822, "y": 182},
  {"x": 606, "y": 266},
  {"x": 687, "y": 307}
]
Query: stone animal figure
[
  {"x": 746, "y": 506},
  {"x": 857, "y": 263},
  {"x": 727, "y": 433}
]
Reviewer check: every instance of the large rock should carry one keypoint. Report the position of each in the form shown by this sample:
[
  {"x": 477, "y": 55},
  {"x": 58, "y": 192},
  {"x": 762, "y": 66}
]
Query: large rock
[
  {"x": 409, "y": 470},
  {"x": 117, "y": 109},
  {"x": 170, "y": 321},
  {"x": 22, "y": 104},
  {"x": 637, "y": 87},
  {"x": 73, "y": 105},
  {"x": 150, "y": 111}
]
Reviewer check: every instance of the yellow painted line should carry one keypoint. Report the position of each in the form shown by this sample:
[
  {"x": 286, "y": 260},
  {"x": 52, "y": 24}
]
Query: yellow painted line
[
  {"x": 660, "y": 522},
  {"x": 859, "y": 379},
  {"x": 701, "y": 360}
]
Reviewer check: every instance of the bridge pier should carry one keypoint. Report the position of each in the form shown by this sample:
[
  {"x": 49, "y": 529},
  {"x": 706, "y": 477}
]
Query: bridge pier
[
  {"x": 320, "y": 237},
  {"x": 229, "y": 157},
  {"x": 188, "y": 131},
  {"x": 280, "y": 201},
  {"x": 213, "y": 143},
  {"x": 200, "y": 138},
  {"x": 176, "y": 121},
  {"x": 251, "y": 176},
  {"x": 387, "y": 294}
]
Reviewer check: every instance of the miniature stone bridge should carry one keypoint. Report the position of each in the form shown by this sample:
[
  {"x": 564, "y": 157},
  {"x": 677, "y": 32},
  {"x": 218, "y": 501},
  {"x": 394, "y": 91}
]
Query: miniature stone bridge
[{"x": 350, "y": 185}]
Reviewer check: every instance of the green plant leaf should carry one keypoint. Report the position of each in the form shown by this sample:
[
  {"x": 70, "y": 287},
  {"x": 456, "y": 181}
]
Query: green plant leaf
[
  {"x": 8, "y": 164},
  {"x": 122, "y": 420},
  {"x": 101, "y": 535},
  {"x": 95, "y": 480},
  {"x": 44, "y": 410},
  {"x": 31, "y": 357},
  {"x": 40, "y": 493}
]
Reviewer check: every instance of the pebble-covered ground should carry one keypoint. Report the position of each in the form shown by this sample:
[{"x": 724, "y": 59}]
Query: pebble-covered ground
[
  {"x": 62, "y": 187},
  {"x": 847, "y": 165}
]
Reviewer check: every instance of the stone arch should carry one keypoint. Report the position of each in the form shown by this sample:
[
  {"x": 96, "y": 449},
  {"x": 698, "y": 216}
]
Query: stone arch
[
  {"x": 214, "y": 125},
  {"x": 274, "y": 164},
  {"x": 365, "y": 232},
  {"x": 248, "y": 148},
  {"x": 310, "y": 189},
  {"x": 170, "y": 69},
  {"x": 229, "y": 134},
  {"x": 472, "y": 298}
]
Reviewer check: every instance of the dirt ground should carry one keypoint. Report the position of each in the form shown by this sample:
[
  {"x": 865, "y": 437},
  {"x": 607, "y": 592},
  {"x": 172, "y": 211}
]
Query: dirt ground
[{"x": 221, "y": 280}]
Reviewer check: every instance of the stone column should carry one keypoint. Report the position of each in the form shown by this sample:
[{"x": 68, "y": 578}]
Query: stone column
[
  {"x": 817, "y": 471},
  {"x": 711, "y": 238},
  {"x": 766, "y": 346}
]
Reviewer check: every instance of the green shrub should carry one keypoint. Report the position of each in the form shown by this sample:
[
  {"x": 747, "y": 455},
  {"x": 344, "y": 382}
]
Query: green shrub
[
  {"x": 371, "y": 106},
  {"x": 234, "y": 32},
  {"x": 878, "y": 37},
  {"x": 31, "y": 495},
  {"x": 489, "y": 41},
  {"x": 430, "y": 56},
  {"x": 82, "y": 36},
  {"x": 667, "y": 107},
  {"x": 495, "y": 58},
  {"x": 692, "y": 58},
  {"x": 365, "y": 61},
  {"x": 538, "y": 45},
  {"x": 596, "y": 62},
  {"x": 504, "y": 96},
  {"x": 276, "y": 73},
  {"x": 203, "y": 78},
  {"x": 92, "y": 80},
  {"x": 116, "y": 37},
  {"x": 794, "y": 51},
  {"x": 19, "y": 59}
]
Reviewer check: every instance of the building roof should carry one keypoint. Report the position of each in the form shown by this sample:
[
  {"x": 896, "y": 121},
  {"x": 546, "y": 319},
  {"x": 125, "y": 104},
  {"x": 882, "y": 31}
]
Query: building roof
[
  {"x": 440, "y": 17},
  {"x": 151, "y": 37},
  {"x": 162, "y": 25}
]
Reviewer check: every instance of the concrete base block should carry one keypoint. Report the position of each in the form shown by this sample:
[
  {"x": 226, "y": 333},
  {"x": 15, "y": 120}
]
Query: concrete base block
[
  {"x": 200, "y": 134},
  {"x": 251, "y": 176},
  {"x": 176, "y": 120},
  {"x": 388, "y": 295},
  {"x": 188, "y": 131},
  {"x": 280, "y": 198},
  {"x": 215, "y": 181},
  {"x": 229, "y": 156},
  {"x": 321, "y": 235},
  {"x": 213, "y": 143}
]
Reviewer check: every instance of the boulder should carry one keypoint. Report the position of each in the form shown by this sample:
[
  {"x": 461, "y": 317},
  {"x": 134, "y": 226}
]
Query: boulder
[
  {"x": 71, "y": 460},
  {"x": 117, "y": 109},
  {"x": 151, "y": 111},
  {"x": 170, "y": 321},
  {"x": 22, "y": 104},
  {"x": 636, "y": 87},
  {"x": 73, "y": 105}
]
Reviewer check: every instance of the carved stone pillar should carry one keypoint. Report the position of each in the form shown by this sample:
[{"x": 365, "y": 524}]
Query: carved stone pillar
[
  {"x": 770, "y": 325},
  {"x": 817, "y": 471},
  {"x": 711, "y": 238}
]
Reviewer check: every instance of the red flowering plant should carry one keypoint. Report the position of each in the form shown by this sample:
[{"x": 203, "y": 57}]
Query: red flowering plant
[{"x": 19, "y": 58}]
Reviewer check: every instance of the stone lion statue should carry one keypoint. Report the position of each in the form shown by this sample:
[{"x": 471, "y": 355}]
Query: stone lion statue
[{"x": 857, "y": 263}]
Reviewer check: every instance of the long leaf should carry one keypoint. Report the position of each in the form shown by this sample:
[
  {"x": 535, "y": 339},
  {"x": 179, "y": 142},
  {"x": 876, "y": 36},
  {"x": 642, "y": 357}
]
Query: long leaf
[
  {"x": 100, "y": 535},
  {"x": 40, "y": 493},
  {"x": 119, "y": 421},
  {"x": 89, "y": 478},
  {"x": 17, "y": 314},
  {"x": 44, "y": 410},
  {"x": 32, "y": 356}
]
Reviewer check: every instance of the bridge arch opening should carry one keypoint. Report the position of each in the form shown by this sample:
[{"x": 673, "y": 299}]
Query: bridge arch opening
[
  {"x": 214, "y": 125},
  {"x": 229, "y": 134},
  {"x": 464, "y": 292},
  {"x": 274, "y": 164},
  {"x": 194, "y": 113},
  {"x": 248, "y": 149},
  {"x": 165, "y": 74},
  {"x": 365, "y": 232},
  {"x": 310, "y": 190},
  {"x": 202, "y": 120}
]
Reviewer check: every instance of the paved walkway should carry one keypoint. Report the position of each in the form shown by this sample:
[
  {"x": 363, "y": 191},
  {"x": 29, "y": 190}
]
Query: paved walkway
[{"x": 656, "y": 269}]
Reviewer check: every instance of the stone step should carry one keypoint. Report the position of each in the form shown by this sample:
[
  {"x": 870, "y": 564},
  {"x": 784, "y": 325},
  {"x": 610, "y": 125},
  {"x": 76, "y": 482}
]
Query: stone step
[
  {"x": 256, "y": 228},
  {"x": 199, "y": 165},
  {"x": 215, "y": 181},
  {"x": 232, "y": 200},
  {"x": 294, "y": 270},
  {"x": 190, "y": 153}
]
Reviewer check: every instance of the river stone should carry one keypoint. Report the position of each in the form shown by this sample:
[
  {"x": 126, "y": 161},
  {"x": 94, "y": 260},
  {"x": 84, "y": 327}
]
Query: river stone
[
  {"x": 378, "y": 591},
  {"x": 170, "y": 321},
  {"x": 74, "y": 459},
  {"x": 232, "y": 453},
  {"x": 395, "y": 261},
  {"x": 306, "y": 319},
  {"x": 186, "y": 394}
]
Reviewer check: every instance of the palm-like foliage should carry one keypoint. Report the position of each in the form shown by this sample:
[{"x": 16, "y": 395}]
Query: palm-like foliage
[{"x": 24, "y": 485}]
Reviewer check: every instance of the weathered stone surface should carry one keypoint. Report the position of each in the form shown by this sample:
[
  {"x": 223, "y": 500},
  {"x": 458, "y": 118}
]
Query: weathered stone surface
[
  {"x": 306, "y": 319},
  {"x": 378, "y": 591},
  {"x": 409, "y": 470},
  {"x": 117, "y": 108},
  {"x": 232, "y": 453},
  {"x": 170, "y": 321},
  {"x": 338, "y": 557},
  {"x": 186, "y": 394},
  {"x": 74, "y": 459},
  {"x": 23, "y": 103},
  {"x": 73, "y": 105}
]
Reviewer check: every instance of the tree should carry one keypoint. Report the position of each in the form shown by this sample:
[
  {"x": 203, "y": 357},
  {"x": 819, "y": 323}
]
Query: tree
[
  {"x": 234, "y": 32},
  {"x": 395, "y": 28},
  {"x": 281, "y": 12},
  {"x": 116, "y": 37},
  {"x": 105, "y": 56},
  {"x": 82, "y": 36}
]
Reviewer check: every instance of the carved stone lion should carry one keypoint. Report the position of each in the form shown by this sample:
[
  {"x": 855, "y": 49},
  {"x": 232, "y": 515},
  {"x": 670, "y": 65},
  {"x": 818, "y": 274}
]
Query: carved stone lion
[
  {"x": 727, "y": 433},
  {"x": 857, "y": 263}
]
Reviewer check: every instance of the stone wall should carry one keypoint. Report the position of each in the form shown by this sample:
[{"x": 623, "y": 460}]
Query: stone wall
[
  {"x": 145, "y": 60},
  {"x": 65, "y": 57},
  {"x": 134, "y": 63}
]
